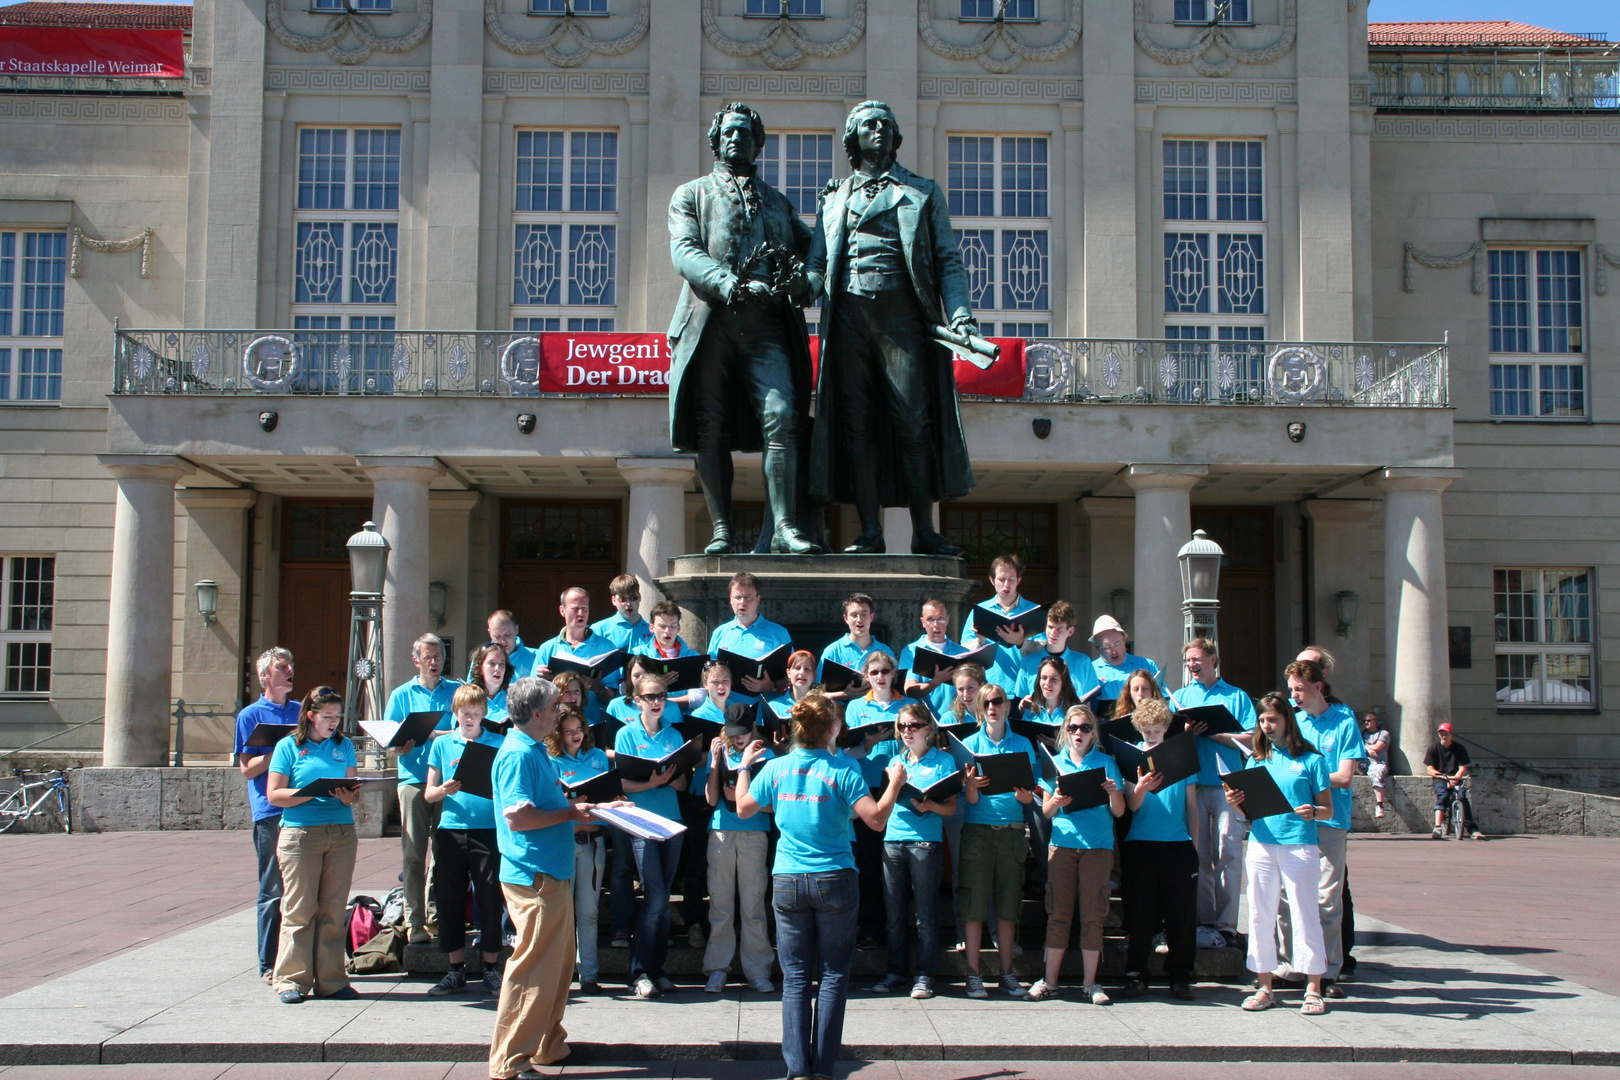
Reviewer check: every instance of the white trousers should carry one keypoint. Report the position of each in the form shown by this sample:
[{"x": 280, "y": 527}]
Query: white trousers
[
  {"x": 590, "y": 863},
  {"x": 1333, "y": 847},
  {"x": 1220, "y": 860},
  {"x": 1276, "y": 870},
  {"x": 737, "y": 878}
]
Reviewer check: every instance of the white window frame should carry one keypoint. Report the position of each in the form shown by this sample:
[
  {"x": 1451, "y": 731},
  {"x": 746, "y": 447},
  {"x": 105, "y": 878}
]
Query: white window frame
[
  {"x": 771, "y": 9},
  {"x": 14, "y": 344},
  {"x": 1195, "y": 17},
  {"x": 999, "y": 225},
  {"x": 1033, "y": 17},
  {"x": 1543, "y": 368},
  {"x": 1213, "y": 229},
  {"x": 346, "y": 308},
  {"x": 1537, "y": 651},
  {"x": 10, "y": 638},
  {"x": 563, "y": 310}
]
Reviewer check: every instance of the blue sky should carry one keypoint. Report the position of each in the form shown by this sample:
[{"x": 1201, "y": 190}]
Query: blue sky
[{"x": 1572, "y": 16}]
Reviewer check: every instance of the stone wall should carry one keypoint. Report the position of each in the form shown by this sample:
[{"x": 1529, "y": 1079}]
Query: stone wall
[
  {"x": 1502, "y": 808},
  {"x": 187, "y": 799}
]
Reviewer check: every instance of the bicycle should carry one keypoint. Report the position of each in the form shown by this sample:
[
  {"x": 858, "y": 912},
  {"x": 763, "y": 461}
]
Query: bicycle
[
  {"x": 58, "y": 811},
  {"x": 1456, "y": 823}
]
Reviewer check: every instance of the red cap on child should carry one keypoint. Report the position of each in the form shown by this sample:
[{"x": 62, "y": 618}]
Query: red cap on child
[{"x": 1444, "y": 727}]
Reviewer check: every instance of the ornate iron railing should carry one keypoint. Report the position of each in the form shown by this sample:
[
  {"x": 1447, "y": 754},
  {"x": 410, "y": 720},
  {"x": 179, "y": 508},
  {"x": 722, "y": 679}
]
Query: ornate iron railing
[
  {"x": 505, "y": 364},
  {"x": 1508, "y": 81}
]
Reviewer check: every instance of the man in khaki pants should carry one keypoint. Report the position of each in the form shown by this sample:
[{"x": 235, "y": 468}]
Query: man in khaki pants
[{"x": 534, "y": 826}]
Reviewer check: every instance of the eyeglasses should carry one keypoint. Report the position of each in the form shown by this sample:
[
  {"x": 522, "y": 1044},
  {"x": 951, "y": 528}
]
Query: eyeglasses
[
  {"x": 989, "y": 701},
  {"x": 1079, "y": 729},
  {"x": 881, "y": 671},
  {"x": 654, "y": 697},
  {"x": 911, "y": 727}
]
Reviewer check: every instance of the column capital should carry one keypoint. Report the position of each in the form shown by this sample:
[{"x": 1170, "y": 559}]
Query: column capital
[
  {"x": 670, "y": 470},
  {"x": 421, "y": 470},
  {"x": 1146, "y": 475},
  {"x": 1347, "y": 511},
  {"x": 448, "y": 501},
  {"x": 1404, "y": 479},
  {"x": 1097, "y": 506},
  {"x": 217, "y": 498},
  {"x": 170, "y": 467}
]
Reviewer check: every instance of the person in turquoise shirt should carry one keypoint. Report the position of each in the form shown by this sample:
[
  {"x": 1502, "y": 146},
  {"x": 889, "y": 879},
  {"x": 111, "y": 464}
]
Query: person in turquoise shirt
[
  {"x": 853, "y": 648},
  {"x": 576, "y": 759},
  {"x": 625, "y": 627},
  {"x": 502, "y": 628},
  {"x": 994, "y": 845},
  {"x": 936, "y": 689},
  {"x": 1051, "y": 694},
  {"x": 1006, "y": 576},
  {"x": 492, "y": 673},
  {"x": 1082, "y": 857},
  {"x": 914, "y": 851},
  {"x": 466, "y": 857},
  {"x": 1283, "y": 859},
  {"x": 656, "y": 860},
  {"x": 316, "y": 850},
  {"x": 1220, "y": 830},
  {"x": 577, "y": 637},
  {"x": 1060, "y": 625},
  {"x": 1115, "y": 662},
  {"x": 666, "y": 643},
  {"x": 534, "y": 828},
  {"x": 737, "y": 866},
  {"x": 879, "y": 706},
  {"x": 749, "y": 634},
  {"x": 1159, "y": 866},
  {"x": 428, "y": 692},
  {"x": 814, "y": 889}
]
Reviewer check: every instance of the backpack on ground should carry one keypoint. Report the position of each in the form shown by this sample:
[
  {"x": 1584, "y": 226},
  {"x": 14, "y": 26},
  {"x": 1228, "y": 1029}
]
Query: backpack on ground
[
  {"x": 393, "y": 908},
  {"x": 361, "y": 923},
  {"x": 384, "y": 954}
]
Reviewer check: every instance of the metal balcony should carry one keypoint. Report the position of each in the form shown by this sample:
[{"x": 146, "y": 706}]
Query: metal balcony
[{"x": 1489, "y": 81}]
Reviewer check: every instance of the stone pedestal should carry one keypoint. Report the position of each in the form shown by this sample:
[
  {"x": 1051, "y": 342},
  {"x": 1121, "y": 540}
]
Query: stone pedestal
[{"x": 804, "y": 593}]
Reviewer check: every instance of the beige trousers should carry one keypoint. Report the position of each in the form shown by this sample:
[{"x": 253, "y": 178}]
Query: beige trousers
[
  {"x": 737, "y": 879},
  {"x": 417, "y": 819},
  {"x": 317, "y": 867},
  {"x": 534, "y": 991}
]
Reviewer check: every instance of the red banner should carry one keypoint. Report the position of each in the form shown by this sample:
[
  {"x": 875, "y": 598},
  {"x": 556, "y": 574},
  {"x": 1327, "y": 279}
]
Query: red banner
[
  {"x": 639, "y": 364},
  {"x": 79, "y": 52}
]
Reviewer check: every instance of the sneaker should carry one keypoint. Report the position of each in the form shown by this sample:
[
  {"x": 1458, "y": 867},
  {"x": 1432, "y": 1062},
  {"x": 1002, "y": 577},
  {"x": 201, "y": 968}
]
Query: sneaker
[
  {"x": 1098, "y": 995},
  {"x": 492, "y": 980},
  {"x": 454, "y": 982},
  {"x": 923, "y": 988},
  {"x": 1160, "y": 946},
  {"x": 666, "y": 985},
  {"x": 290, "y": 997},
  {"x": 716, "y": 983},
  {"x": 762, "y": 986},
  {"x": 889, "y": 985},
  {"x": 1476, "y": 835},
  {"x": 348, "y": 993},
  {"x": 590, "y": 986},
  {"x": 1134, "y": 987},
  {"x": 1378, "y": 811},
  {"x": 1437, "y": 835},
  {"x": 1181, "y": 991},
  {"x": 1011, "y": 985},
  {"x": 1042, "y": 991},
  {"x": 1207, "y": 937},
  {"x": 620, "y": 941},
  {"x": 975, "y": 987},
  {"x": 645, "y": 989}
]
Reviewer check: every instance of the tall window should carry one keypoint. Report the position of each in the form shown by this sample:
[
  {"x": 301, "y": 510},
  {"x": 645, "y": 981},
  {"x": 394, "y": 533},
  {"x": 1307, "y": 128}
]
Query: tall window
[
  {"x": 28, "y": 596},
  {"x": 1544, "y": 637},
  {"x": 999, "y": 202},
  {"x": 798, "y": 164},
  {"x": 565, "y": 229},
  {"x": 1538, "y": 366},
  {"x": 33, "y": 276}
]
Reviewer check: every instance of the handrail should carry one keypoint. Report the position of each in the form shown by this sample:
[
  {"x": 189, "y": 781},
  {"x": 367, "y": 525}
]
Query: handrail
[
  {"x": 53, "y": 735},
  {"x": 1521, "y": 766}
]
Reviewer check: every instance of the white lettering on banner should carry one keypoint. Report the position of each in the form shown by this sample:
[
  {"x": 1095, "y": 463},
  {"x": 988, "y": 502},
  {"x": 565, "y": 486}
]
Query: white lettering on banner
[
  {"x": 634, "y": 376},
  {"x": 578, "y": 350}
]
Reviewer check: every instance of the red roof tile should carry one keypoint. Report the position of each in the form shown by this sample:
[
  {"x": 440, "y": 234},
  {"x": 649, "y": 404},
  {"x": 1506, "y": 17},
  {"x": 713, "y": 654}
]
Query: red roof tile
[
  {"x": 1473, "y": 33},
  {"x": 84, "y": 13}
]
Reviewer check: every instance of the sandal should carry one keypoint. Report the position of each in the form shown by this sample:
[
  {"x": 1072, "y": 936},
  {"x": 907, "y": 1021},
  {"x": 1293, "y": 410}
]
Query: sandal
[
  {"x": 1314, "y": 1005},
  {"x": 1259, "y": 1001}
]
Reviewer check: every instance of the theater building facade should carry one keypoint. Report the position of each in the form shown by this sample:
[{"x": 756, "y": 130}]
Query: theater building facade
[{"x": 1337, "y": 296}]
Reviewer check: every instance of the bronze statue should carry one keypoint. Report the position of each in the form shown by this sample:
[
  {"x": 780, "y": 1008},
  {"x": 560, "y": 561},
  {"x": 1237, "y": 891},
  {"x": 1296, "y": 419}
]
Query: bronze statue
[
  {"x": 740, "y": 374},
  {"x": 887, "y": 431}
]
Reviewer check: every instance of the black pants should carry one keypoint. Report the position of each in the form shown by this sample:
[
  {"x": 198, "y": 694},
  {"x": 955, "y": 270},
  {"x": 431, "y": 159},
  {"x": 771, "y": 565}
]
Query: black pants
[
  {"x": 1160, "y": 892},
  {"x": 872, "y": 917},
  {"x": 464, "y": 858},
  {"x": 694, "y": 869}
]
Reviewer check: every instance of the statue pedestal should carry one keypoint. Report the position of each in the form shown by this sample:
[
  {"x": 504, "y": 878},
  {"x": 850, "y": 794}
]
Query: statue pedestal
[{"x": 804, "y": 593}]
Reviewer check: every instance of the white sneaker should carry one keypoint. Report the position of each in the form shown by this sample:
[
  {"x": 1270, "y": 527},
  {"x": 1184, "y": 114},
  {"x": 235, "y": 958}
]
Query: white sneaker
[
  {"x": 1098, "y": 995},
  {"x": 1011, "y": 985},
  {"x": 645, "y": 988},
  {"x": 1042, "y": 990},
  {"x": 716, "y": 983},
  {"x": 923, "y": 988},
  {"x": 1378, "y": 811},
  {"x": 763, "y": 986},
  {"x": 975, "y": 987},
  {"x": 1160, "y": 946}
]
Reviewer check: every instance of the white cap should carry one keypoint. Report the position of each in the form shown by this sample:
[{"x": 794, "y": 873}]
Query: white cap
[{"x": 1106, "y": 622}]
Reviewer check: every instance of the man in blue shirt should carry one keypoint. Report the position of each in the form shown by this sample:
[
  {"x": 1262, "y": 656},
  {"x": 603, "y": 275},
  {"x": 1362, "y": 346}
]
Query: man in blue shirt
[
  {"x": 851, "y": 650},
  {"x": 1220, "y": 829},
  {"x": 937, "y": 691},
  {"x": 749, "y": 634},
  {"x": 625, "y": 627},
  {"x": 428, "y": 692},
  {"x": 1115, "y": 664},
  {"x": 502, "y": 628},
  {"x": 1006, "y": 575},
  {"x": 275, "y": 706},
  {"x": 578, "y": 638},
  {"x": 534, "y": 828}
]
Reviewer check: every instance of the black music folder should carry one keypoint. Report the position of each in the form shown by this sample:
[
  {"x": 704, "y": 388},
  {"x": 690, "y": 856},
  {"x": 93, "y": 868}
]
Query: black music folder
[
  {"x": 475, "y": 771},
  {"x": 1006, "y": 772},
  {"x": 1261, "y": 795},
  {"x": 1085, "y": 788},
  {"x": 641, "y": 769},
  {"x": 986, "y": 622},
  {"x": 418, "y": 728},
  {"x": 268, "y": 735},
  {"x": 323, "y": 787},
  {"x": 592, "y": 667},
  {"x": 773, "y": 665},
  {"x": 925, "y": 661},
  {"x": 688, "y": 670},
  {"x": 938, "y": 791},
  {"x": 603, "y": 787},
  {"x": 1217, "y": 717},
  {"x": 836, "y": 677}
]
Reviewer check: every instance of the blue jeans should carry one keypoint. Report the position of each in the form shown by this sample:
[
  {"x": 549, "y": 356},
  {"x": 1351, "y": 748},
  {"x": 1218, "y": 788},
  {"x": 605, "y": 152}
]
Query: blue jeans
[
  {"x": 656, "y": 861},
  {"x": 815, "y": 918},
  {"x": 911, "y": 872},
  {"x": 265, "y": 832}
]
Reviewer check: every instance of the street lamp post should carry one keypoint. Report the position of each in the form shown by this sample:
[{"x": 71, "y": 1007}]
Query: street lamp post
[
  {"x": 1200, "y": 560},
  {"x": 368, "y": 566}
]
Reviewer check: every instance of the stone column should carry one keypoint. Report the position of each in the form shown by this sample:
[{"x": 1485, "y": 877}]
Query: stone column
[
  {"x": 656, "y": 519},
  {"x": 450, "y": 556},
  {"x": 140, "y": 609},
  {"x": 212, "y": 665},
  {"x": 399, "y": 506},
  {"x": 1341, "y": 558},
  {"x": 1416, "y": 649},
  {"x": 1163, "y": 525}
]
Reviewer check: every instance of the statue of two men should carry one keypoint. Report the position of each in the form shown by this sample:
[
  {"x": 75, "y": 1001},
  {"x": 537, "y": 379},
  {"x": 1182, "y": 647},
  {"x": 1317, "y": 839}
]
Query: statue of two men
[{"x": 884, "y": 260}]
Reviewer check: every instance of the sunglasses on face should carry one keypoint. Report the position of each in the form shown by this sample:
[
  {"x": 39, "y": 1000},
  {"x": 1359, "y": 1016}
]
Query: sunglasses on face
[
  {"x": 1079, "y": 729},
  {"x": 989, "y": 701},
  {"x": 654, "y": 697},
  {"x": 881, "y": 671},
  {"x": 912, "y": 727}
]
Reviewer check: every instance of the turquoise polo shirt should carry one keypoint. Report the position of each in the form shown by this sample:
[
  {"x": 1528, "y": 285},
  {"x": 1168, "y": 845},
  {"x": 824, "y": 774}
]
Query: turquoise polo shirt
[
  {"x": 496, "y": 707},
  {"x": 304, "y": 764},
  {"x": 624, "y": 710},
  {"x": 1003, "y": 809},
  {"x": 1215, "y": 758},
  {"x": 1112, "y": 677},
  {"x": 1009, "y": 661},
  {"x": 845, "y": 651},
  {"x": 754, "y": 640},
  {"x": 906, "y": 825},
  {"x": 594, "y": 645},
  {"x": 1082, "y": 676},
  {"x": 1163, "y": 813},
  {"x": 633, "y": 739},
  {"x": 722, "y": 819},
  {"x": 521, "y": 660},
  {"x": 649, "y": 647},
  {"x": 866, "y": 711},
  {"x": 574, "y": 769},
  {"x": 1093, "y": 827},
  {"x": 523, "y": 774},
  {"x": 1301, "y": 779},
  {"x": 414, "y": 697},
  {"x": 1338, "y": 737},
  {"x": 812, "y": 795},
  {"x": 461, "y": 810},
  {"x": 626, "y": 635},
  {"x": 939, "y": 699}
]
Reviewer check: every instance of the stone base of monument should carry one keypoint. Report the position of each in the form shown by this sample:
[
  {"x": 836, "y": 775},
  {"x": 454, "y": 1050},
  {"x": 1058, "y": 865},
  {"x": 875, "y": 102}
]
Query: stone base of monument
[{"x": 804, "y": 592}]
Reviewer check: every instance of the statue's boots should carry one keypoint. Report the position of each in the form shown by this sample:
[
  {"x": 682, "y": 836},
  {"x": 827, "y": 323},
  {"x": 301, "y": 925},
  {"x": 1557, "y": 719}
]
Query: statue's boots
[{"x": 781, "y": 467}]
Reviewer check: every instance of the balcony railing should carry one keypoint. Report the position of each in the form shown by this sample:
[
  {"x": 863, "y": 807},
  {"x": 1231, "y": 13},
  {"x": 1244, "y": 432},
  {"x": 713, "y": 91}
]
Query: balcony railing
[
  {"x": 1495, "y": 82},
  {"x": 505, "y": 364}
]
